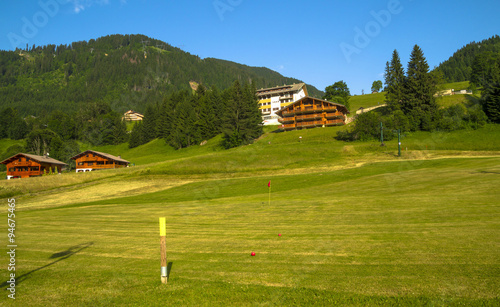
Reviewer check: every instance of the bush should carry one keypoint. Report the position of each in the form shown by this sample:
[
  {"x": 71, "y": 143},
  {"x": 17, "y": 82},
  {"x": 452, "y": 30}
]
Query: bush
[{"x": 461, "y": 116}]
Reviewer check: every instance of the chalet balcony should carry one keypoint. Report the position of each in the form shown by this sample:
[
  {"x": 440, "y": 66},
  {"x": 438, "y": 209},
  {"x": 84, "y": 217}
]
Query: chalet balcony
[
  {"x": 309, "y": 109},
  {"x": 94, "y": 165},
  {"x": 88, "y": 159},
  {"x": 314, "y": 123},
  {"x": 288, "y": 127},
  {"x": 335, "y": 122},
  {"x": 286, "y": 119},
  {"x": 309, "y": 117},
  {"x": 334, "y": 115},
  {"x": 24, "y": 164}
]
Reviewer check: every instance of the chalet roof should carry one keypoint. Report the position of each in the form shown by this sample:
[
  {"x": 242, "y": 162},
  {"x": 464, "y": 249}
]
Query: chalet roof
[
  {"x": 281, "y": 89},
  {"x": 41, "y": 159},
  {"x": 133, "y": 112},
  {"x": 342, "y": 107},
  {"x": 103, "y": 154}
]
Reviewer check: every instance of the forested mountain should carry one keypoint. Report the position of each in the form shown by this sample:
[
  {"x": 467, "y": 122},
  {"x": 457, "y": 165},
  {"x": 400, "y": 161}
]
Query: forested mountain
[
  {"x": 124, "y": 71},
  {"x": 459, "y": 67}
]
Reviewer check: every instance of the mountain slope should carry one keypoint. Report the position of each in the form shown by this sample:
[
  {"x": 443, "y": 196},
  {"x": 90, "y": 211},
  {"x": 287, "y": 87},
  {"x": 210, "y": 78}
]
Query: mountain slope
[
  {"x": 126, "y": 71},
  {"x": 459, "y": 66}
]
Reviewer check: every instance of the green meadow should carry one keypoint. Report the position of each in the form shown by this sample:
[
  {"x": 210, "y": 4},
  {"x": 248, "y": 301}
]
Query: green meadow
[{"x": 359, "y": 225}]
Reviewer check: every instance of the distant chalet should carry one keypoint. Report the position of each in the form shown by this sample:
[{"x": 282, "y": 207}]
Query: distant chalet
[
  {"x": 132, "y": 116},
  {"x": 271, "y": 100},
  {"x": 91, "y": 160},
  {"x": 24, "y": 165},
  {"x": 310, "y": 112}
]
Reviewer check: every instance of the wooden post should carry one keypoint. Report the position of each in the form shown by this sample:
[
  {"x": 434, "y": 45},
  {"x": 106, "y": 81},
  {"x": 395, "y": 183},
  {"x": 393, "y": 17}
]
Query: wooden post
[{"x": 163, "y": 251}]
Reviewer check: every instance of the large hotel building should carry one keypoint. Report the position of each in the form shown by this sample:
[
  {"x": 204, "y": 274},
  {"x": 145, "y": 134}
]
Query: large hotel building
[{"x": 271, "y": 100}]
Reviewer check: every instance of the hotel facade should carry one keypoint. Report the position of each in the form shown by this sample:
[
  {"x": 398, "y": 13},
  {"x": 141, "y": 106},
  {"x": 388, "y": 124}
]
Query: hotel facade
[{"x": 271, "y": 100}]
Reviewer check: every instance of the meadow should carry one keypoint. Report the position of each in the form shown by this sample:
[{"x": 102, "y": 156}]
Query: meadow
[{"x": 359, "y": 225}]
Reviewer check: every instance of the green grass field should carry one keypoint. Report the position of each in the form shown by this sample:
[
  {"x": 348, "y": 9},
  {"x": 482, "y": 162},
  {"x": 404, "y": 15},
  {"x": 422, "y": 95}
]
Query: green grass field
[
  {"x": 457, "y": 86},
  {"x": 366, "y": 101},
  {"x": 359, "y": 225}
]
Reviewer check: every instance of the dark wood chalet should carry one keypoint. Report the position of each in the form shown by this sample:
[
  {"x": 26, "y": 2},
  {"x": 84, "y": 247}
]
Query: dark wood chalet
[
  {"x": 310, "y": 112},
  {"x": 26, "y": 165},
  {"x": 93, "y": 160}
]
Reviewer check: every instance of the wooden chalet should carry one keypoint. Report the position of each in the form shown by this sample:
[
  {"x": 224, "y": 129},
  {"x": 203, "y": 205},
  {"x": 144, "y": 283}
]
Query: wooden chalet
[
  {"x": 310, "y": 112},
  {"x": 132, "y": 116},
  {"x": 26, "y": 165},
  {"x": 93, "y": 160}
]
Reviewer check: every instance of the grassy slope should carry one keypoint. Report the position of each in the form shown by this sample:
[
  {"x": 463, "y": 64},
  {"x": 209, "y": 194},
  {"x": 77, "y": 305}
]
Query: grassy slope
[
  {"x": 371, "y": 100},
  {"x": 366, "y": 101},
  {"x": 359, "y": 225},
  {"x": 6, "y": 143}
]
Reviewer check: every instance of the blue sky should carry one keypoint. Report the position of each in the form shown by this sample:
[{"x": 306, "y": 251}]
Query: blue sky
[{"x": 319, "y": 42}]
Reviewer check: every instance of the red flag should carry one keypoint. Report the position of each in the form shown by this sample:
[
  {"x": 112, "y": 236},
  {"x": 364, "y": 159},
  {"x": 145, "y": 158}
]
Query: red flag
[{"x": 269, "y": 184}]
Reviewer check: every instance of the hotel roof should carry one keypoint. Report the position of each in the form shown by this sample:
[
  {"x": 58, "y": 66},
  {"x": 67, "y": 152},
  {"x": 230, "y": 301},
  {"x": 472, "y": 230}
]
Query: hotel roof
[{"x": 281, "y": 89}]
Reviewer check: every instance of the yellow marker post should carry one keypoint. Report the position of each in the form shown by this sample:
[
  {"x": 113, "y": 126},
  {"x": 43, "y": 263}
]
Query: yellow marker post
[{"x": 163, "y": 250}]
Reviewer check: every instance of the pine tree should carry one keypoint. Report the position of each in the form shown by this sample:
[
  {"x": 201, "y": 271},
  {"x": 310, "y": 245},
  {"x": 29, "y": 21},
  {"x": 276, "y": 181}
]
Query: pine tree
[
  {"x": 165, "y": 118},
  {"x": 419, "y": 88},
  {"x": 232, "y": 124},
  {"x": 253, "y": 117},
  {"x": 394, "y": 81},
  {"x": 136, "y": 136},
  {"x": 216, "y": 101},
  {"x": 119, "y": 131},
  {"x": 491, "y": 102},
  {"x": 150, "y": 124},
  {"x": 242, "y": 121},
  {"x": 205, "y": 112}
]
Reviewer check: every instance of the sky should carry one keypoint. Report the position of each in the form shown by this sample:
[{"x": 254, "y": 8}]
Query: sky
[{"x": 319, "y": 42}]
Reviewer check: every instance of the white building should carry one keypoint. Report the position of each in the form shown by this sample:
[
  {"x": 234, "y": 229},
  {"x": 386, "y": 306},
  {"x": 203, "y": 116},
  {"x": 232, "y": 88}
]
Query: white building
[{"x": 271, "y": 100}]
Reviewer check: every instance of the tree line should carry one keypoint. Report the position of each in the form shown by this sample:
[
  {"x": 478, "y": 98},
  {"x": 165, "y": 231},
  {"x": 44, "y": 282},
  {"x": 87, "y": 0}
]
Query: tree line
[
  {"x": 411, "y": 105},
  {"x": 59, "y": 133},
  {"x": 184, "y": 119},
  {"x": 460, "y": 66}
]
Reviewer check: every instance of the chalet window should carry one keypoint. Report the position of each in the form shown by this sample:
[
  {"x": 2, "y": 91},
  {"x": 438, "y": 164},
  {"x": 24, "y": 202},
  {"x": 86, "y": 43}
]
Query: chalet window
[
  {"x": 100, "y": 162},
  {"x": 87, "y": 156},
  {"x": 34, "y": 168},
  {"x": 90, "y": 163},
  {"x": 80, "y": 163},
  {"x": 109, "y": 162},
  {"x": 11, "y": 169},
  {"x": 20, "y": 159}
]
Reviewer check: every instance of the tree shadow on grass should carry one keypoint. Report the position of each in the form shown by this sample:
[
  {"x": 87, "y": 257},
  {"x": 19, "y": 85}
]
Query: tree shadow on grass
[{"x": 61, "y": 256}]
